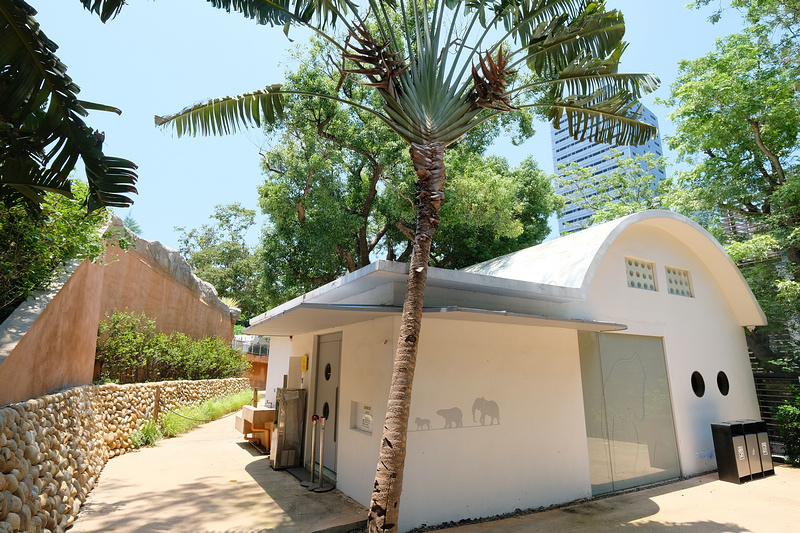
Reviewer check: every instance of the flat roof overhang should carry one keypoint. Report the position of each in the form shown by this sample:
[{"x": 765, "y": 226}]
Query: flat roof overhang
[{"x": 309, "y": 317}]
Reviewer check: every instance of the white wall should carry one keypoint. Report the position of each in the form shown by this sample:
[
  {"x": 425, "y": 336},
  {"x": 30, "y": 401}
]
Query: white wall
[
  {"x": 537, "y": 454},
  {"x": 700, "y": 334}
]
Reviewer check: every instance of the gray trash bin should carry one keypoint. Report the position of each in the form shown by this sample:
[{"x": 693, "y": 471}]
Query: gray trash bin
[{"x": 753, "y": 448}]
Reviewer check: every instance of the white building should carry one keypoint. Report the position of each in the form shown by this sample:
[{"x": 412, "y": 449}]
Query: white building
[
  {"x": 567, "y": 150},
  {"x": 588, "y": 364}
]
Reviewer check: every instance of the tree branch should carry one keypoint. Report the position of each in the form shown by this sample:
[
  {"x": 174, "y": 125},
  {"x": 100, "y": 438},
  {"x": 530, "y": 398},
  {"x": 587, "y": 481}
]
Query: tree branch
[{"x": 777, "y": 168}]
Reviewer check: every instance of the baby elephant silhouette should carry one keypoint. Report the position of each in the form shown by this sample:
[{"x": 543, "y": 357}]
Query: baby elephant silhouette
[
  {"x": 452, "y": 417},
  {"x": 487, "y": 408},
  {"x": 423, "y": 423}
]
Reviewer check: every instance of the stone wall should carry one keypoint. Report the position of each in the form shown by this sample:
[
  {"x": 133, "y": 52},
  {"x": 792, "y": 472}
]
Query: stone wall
[{"x": 52, "y": 448}]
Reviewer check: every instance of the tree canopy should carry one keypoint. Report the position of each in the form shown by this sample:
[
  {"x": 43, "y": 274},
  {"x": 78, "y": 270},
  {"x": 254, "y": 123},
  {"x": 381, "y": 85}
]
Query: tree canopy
[
  {"x": 737, "y": 116},
  {"x": 338, "y": 190},
  {"x": 218, "y": 253}
]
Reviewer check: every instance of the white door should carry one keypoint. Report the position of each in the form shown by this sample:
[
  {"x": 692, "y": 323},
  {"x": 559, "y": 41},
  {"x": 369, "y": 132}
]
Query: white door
[{"x": 326, "y": 404}]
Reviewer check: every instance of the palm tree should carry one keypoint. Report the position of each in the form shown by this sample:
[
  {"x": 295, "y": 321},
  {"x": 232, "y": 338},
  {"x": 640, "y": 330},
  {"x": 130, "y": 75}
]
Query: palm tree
[
  {"x": 42, "y": 134},
  {"x": 441, "y": 68}
]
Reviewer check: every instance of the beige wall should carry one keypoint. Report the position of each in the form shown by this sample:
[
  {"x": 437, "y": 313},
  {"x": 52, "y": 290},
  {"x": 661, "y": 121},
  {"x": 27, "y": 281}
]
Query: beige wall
[
  {"x": 537, "y": 454},
  {"x": 58, "y": 350},
  {"x": 134, "y": 281}
]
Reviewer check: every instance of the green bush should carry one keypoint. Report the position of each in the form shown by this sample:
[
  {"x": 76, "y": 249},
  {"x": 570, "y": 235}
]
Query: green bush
[
  {"x": 129, "y": 350},
  {"x": 787, "y": 417},
  {"x": 125, "y": 344}
]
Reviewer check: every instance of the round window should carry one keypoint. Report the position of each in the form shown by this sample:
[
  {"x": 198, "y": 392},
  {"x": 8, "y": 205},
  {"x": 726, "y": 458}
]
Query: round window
[
  {"x": 328, "y": 372},
  {"x": 723, "y": 383},
  {"x": 698, "y": 384},
  {"x": 326, "y": 410}
]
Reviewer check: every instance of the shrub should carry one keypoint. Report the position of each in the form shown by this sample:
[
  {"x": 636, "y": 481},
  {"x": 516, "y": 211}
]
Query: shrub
[
  {"x": 787, "y": 417},
  {"x": 129, "y": 350},
  {"x": 124, "y": 345}
]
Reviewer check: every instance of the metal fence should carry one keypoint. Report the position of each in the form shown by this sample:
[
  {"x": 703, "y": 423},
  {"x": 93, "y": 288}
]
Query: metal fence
[
  {"x": 772, "y": 391},
  {"x": 251, "y": 346}
]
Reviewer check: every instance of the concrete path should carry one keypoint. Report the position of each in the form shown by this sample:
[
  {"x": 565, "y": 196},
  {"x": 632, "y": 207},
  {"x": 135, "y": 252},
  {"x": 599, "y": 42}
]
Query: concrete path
[
  {"x": 702, "y": 504},
  {"x": 208, "y": 480}
]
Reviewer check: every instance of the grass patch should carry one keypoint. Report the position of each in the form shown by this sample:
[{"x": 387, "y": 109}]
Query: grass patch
[
  {"x": 187, "y": 418},
  {"x": 147, "y": 435}
]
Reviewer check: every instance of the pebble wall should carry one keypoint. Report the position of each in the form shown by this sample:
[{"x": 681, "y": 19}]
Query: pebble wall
[{"x": 53, "y": 448}]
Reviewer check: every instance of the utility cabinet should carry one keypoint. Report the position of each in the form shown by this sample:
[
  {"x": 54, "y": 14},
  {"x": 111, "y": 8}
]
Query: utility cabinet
[{"x": 742, "y": 449}]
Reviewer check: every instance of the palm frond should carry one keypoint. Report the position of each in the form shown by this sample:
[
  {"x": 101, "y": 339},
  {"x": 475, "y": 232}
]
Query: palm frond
[
  {"x": 105, "y": 9},
  {"x": 612, "y": 118},
  {"x": 42, "y": 134},
  {"x": 224, "y": 116},
  {"x": 319, "y": 13},
  {"x": 557, "y": 43}
]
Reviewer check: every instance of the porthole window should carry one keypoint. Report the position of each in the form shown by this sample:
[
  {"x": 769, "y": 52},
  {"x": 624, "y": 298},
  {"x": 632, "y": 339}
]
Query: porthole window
[
  {"x": 328, "y": 372},
  {"x": 326, "y": 411},
  {"x": 723, "y": 383},
  {"x": 698, "y": 384}
]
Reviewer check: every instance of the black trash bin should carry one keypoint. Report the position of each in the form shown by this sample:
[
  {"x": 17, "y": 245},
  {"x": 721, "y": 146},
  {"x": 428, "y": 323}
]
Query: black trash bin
[
  {"x": 731, "y": 450},
  {"x": 742, "y": 449}
]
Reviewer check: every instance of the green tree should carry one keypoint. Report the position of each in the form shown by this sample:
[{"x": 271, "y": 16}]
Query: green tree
[
  {"x": 34, "y": 251},
  {"x": 737, "y": 118},
  {"x": 130, "y": 223},
  {"x": 219, "y": 254},
  {"x": 629, "y": 188},
  {"x": 42, "y": 132},
  {"x": 783, "y": 15},
  {"x": 338, "y": 189},
  {"x": 447, "y": 70}
]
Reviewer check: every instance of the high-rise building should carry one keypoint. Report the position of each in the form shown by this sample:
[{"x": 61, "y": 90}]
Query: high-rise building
[{"x": 567, "y": 150}]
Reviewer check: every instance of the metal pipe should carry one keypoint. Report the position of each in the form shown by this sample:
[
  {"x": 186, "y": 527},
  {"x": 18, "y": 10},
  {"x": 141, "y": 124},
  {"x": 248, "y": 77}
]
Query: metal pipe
[
  {"x": 314, "y": 420},
  {"x": 321, "y": 450}
]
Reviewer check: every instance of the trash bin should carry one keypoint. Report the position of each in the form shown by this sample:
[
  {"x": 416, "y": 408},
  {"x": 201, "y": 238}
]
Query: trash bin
[
  {"x": 730, "y": 447},
  {"x": 753, "y": 448},
  {"x": 764, "y": 448},
  {"x": 742, "y": 449}
]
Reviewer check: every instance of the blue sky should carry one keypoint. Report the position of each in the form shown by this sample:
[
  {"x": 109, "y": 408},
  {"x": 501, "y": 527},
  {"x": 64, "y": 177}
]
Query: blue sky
[{"x": 159, "y": 57}]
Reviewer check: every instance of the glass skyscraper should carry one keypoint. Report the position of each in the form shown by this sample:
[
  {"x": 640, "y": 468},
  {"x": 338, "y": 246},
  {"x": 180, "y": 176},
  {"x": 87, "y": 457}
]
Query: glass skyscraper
[{"x": 567, "y": 150}]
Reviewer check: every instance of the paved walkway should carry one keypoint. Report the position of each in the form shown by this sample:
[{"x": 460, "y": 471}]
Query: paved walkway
[
  {"x": 208, "y": 480},
  {"x": 702, "y": 504}
]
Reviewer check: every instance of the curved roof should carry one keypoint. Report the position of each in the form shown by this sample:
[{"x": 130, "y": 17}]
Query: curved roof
[{"x": 572, "y": 261}]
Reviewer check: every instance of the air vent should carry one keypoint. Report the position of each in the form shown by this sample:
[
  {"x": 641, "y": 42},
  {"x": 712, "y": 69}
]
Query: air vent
[
  {"x": 679, "y": 282},
  {"x": 640, "y": 274}
]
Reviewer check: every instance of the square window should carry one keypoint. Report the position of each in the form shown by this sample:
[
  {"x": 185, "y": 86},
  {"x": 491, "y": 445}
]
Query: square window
[
  {"x": 679, "y": 282},
  {"x": 640, "y": 274}
]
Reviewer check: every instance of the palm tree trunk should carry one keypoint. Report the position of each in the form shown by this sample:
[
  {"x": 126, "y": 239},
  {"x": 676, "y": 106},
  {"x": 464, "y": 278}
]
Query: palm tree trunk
[{"x": 428, "y": 160}]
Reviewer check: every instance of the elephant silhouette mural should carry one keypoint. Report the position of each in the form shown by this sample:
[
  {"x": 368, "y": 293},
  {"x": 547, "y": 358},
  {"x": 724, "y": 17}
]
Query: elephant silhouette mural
[{"x": 487, "y": 408}]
